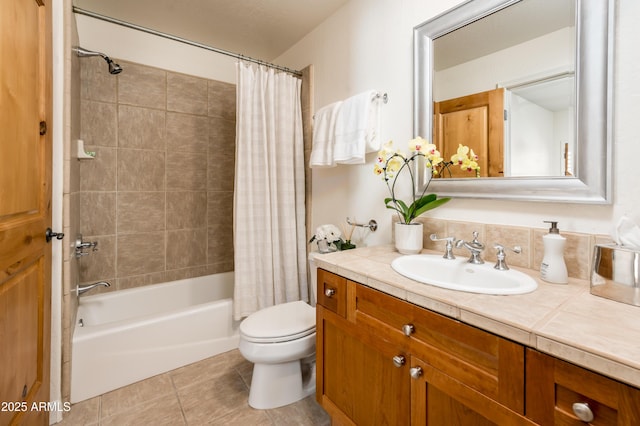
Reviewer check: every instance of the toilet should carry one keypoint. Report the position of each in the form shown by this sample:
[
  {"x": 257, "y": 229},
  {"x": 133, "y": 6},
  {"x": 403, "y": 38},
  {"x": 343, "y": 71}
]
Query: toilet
[{"x": 281, "y": 343}]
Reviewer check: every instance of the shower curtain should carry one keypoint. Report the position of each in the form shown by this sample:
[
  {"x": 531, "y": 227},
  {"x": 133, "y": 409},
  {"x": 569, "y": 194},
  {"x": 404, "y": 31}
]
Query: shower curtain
[{"x": 269, "y": 216}]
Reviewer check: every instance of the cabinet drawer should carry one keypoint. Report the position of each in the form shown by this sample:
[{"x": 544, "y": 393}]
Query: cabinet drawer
[
  {"x": 554, "y": 386},
  {"x": 332, "y": 292}
]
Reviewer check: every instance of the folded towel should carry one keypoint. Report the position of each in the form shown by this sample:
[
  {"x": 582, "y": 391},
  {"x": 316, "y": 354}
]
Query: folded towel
[
  {"x": 324, "y": 136},
  {"x": 357, "y": 128}
]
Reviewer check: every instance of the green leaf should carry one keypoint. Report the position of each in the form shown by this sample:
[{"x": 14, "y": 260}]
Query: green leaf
[{"x": 431, "y": 205}]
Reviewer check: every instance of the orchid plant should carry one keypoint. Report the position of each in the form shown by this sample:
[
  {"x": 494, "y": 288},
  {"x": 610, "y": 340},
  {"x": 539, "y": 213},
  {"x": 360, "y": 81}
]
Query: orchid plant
[{"x": 390, "y": 163}]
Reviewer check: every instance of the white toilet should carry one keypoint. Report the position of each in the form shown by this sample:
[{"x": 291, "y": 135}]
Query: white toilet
[{"x": 281, "y": 343}]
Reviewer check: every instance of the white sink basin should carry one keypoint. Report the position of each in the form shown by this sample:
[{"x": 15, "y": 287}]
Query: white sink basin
[{"x": 458, "y": 274}]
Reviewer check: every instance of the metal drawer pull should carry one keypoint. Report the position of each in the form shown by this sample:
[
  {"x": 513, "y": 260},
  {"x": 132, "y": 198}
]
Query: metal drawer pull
[
  {"x": 329, "y": 292},
  {"x": 408, "y": 329},
  {"x": 415, "y": 372},
  {"x": 583, "y": 411},
  {"x": 399, "y": 360}
]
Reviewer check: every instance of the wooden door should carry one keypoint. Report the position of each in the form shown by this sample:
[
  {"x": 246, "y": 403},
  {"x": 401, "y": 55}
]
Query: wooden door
[
  {"x": 25, "y": 210},
  {"x": 476, "y": 121},
  {"x": 440, "y": 400}
]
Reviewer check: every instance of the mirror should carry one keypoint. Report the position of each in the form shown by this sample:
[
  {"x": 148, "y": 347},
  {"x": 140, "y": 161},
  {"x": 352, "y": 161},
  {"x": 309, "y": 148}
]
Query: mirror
[{"x": 576, "y": 165}]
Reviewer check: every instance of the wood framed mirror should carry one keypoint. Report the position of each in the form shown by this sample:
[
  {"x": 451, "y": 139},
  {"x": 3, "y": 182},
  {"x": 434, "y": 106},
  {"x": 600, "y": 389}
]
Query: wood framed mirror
[{"x": 580, "y": 166}]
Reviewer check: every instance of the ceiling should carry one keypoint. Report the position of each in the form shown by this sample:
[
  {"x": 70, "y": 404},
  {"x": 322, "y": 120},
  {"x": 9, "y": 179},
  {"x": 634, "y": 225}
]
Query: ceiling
[{"x": 260, "y": 29}]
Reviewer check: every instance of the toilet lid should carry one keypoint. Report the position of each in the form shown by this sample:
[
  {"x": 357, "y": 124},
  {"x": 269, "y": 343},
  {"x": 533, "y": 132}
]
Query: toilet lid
[{"x": 280, "y": 323}]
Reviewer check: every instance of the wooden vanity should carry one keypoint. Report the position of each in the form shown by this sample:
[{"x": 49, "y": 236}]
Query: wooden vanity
[{"x": 383, "y": 360}]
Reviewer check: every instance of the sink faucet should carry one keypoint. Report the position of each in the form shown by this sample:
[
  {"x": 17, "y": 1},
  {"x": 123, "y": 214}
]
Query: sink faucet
[
  {"x": 84, "y": 288},
  {"x": 475, "y": 247},
  {"x": 501, "y": 262},
  {"x": 448, "y": 247}
]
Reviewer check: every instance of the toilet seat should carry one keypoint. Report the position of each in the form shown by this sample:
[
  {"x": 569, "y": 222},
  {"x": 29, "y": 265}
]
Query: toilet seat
[{"x": 279, "y": 323}]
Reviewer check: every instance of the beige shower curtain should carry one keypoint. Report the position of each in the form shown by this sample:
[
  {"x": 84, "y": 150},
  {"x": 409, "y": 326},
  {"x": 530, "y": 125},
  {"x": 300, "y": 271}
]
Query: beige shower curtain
[{"x": 269, "y": 217}]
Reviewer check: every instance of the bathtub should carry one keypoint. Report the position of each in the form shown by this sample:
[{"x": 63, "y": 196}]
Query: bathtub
[{"x": 130, "y": 335}]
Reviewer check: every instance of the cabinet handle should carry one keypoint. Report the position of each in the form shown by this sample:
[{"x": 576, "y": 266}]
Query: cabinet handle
[
  {"x": 399, "y": 360},
  {"x": 415, "y": 372},
  {"x": 329, "y": 292},
  {"x": 408, "y": 329},
  {"x": 583, "y": 411}
]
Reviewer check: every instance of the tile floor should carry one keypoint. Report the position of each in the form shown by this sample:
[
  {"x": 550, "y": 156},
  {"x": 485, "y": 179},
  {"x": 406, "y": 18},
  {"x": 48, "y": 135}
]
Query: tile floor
[{"x": 210, "y": 392}]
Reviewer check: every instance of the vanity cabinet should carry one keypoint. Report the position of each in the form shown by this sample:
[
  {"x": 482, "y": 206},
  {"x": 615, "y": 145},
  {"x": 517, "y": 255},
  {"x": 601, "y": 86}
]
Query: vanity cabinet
[
  {"x": 560, "y": 393},
  {"x": 382, "y": 360}
]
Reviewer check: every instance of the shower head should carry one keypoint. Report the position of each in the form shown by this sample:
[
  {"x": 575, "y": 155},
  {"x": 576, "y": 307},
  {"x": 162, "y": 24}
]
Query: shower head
[{"x": 113, "y": 67}]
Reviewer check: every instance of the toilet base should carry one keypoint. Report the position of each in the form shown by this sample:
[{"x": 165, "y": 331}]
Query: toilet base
[{"x": 276, "y": 385}]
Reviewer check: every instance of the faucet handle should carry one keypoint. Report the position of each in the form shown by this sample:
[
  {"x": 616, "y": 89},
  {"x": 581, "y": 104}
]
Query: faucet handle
[
  {"x": 501, "y": 261},
  {"x": 448, "y": 247}
]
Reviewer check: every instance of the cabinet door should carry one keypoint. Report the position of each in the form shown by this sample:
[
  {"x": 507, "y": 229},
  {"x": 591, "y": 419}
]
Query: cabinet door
[
  {"x": 554, "y": 386},
  {"x": 438, "y": 399},
  {"x": 358, "y": 381}
]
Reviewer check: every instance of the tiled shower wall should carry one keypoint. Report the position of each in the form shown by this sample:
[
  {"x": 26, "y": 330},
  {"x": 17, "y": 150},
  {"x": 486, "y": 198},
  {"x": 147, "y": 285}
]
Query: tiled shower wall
[{"x": 158, "y": 197}]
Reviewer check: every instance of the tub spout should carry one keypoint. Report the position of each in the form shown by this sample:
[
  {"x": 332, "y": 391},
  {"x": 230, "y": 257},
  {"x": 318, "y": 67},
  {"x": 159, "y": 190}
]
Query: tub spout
[{"x": 84, "y": 288}]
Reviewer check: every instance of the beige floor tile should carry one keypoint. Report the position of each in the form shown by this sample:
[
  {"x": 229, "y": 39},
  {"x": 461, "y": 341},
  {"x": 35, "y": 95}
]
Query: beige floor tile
[
  {"x": 83, "y": 413},
  {"x": 137, "y": 393},
  {"x": 244, "y": 416},
  {"x": 211, "y": 399},
  {"x": 302, "y": 413},
  {"x": 160, "y": 411},
  {"x": 207, "y": 369}
]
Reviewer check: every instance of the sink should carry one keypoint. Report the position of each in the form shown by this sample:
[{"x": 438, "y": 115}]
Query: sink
[{"x": 458, "y": 274}]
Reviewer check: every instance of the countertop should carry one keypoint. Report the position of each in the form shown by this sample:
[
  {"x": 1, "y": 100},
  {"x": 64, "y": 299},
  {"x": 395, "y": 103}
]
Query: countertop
[{"x": 563, "y": 320}]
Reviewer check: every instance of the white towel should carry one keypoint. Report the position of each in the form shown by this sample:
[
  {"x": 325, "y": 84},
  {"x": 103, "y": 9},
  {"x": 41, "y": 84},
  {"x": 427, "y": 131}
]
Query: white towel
[
  {"x": 357, "y": 128},
  {"x": 324, "y": 124}
]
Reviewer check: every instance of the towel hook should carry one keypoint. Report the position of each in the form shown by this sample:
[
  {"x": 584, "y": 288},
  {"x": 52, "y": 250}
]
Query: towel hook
[{"x": 372, "y": 225}]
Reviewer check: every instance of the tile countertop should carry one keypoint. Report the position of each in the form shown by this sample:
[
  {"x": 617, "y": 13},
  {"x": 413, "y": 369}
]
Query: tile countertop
[{"x": 565, "y": 321}]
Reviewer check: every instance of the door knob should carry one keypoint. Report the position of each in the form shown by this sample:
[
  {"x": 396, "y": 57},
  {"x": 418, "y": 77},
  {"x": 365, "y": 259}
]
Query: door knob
[
  {"x": 583, "y": 411},
  {"x": 399, "y": 360},
  {"x": 408, "y": 329},
  {"x": 415, "y": 372},
  {"x": 50, "y": 235},
  {"x": 329, "y": 292}
]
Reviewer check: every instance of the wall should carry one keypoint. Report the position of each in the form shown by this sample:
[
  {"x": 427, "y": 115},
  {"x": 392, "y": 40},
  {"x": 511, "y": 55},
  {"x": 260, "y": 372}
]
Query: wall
[
  {"x": 368, "y": 44},
  {"x": 158, "y": 197}
]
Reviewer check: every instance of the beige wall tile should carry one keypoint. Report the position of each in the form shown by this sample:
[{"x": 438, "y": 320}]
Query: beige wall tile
[
  {"x": 140, "y": 253},
  {"x": 99, "y": 174},
  {"x": 141, "y": 212},
  {"x": 142, "y": 86},
  {"x": 186, "y": 171},
  {"x": 186, "y": 94},
  {"x": 141, "y": 280},
  {"x": 97, "y": 84},
  {"x": 220, "y": 172},
  {"x": 99, "y": 123},
  {"x": 220, "y": 244},
  {"x": 142, "y": 128},
  {"x": 186, "y": 247},
  {"x": 464, "y": 231},
  {"x": 220, "y": 208},
  {"x": 186, "y": 209},
  {"x": 140, "y": 170},
  {"x": 98, "y": 213},
  {"x": 222, "y": 100},
  {"x": 187, "y": 132},
  {"x": 432, "y": 226}
]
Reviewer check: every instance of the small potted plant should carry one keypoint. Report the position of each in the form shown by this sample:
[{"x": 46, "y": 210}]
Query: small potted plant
[{"x": 389, "y": 165}]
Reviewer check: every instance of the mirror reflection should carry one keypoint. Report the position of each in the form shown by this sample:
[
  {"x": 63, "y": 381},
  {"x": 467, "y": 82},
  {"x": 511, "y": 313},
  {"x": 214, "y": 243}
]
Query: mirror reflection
[{"x": 504, "y": 85}]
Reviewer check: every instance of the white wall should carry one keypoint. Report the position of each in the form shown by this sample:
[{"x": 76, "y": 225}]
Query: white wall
[{"x": 368, "y": 44}]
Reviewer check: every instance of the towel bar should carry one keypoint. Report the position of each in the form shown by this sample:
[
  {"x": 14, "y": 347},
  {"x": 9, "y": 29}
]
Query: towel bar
[{"x": 372, "y": 225}]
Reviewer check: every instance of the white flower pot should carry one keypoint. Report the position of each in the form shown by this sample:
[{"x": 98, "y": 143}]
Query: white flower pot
[{"x": 408, "y": 237}]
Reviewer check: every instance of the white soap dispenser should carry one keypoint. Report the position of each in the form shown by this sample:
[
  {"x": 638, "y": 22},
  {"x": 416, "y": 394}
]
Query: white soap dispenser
[{"x": 553, "y": 269}]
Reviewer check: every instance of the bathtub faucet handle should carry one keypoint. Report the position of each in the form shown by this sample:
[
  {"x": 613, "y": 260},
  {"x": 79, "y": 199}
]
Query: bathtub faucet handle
[
  {"x": 82, "y": 245},
  {"x": 84, "y": 288}
]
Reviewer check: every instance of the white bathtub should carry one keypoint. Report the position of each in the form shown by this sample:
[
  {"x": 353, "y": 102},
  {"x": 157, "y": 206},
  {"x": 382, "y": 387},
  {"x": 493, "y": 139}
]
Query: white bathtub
[{"x": 130, "y": 335}]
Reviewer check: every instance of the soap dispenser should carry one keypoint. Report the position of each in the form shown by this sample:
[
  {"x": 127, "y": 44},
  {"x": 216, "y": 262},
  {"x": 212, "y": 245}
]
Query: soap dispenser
[{"x": 553, "y": 269}]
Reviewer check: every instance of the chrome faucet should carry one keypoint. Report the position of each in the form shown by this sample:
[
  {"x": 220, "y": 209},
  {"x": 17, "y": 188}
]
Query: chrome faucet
[
  {"x": 475, "y": 247},
  {"x": 501, "y": 262},
  {"x": 84, "y": 288},
  {"x": 448, "y": 254}
]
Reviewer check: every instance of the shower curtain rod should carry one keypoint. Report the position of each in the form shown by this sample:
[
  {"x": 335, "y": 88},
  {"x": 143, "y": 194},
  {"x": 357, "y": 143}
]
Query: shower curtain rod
[{"x": 183, "y": 40}]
